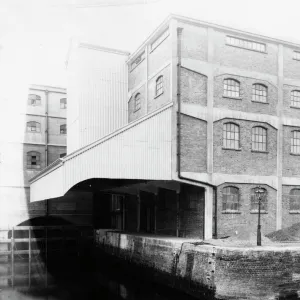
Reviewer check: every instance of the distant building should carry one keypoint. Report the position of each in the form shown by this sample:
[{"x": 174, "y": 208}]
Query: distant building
[{"x": 174, "y": 138}]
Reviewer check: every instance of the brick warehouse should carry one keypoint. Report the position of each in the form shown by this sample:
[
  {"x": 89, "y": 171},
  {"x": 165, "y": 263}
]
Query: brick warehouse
[{"x": 174, "y": 138}]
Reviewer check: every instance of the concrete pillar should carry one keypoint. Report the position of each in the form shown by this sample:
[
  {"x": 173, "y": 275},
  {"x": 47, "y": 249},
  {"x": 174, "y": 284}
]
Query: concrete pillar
[{"x": 208, "y": 213}]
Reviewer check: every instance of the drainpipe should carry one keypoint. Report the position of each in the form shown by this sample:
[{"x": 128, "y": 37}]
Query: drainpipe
[
  {"x": 46, "y": 129},
  {"x": 179, "y": 34}
]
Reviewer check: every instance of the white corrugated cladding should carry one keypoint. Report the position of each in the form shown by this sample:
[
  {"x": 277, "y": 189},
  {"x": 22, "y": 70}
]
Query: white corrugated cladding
[
  {"x": 140, "y": 150},
  {"x": 50, "y": 185},
  {"x": 97, "y": 94}
]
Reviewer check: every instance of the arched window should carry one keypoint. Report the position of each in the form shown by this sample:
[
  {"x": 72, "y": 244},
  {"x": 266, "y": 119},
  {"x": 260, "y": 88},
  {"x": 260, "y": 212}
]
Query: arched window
[
  {"x": 63, "y": 129},
  {"x": 159, "y": 86},
  {"x": 259, "y": 92},
  {"x": 295, "y": 142},
  {"x": 295, "y": 199},
  {"x": 231, "y": 136},
  {"x": 63, "y": 103},
  {"x": 33, "y": 160},
  {"x": 231, "y": 88},
  {"x": 263, "y": 201},
  {"x": 137, "y": 102},
  {"x": 259, "y": 138},
  {"x": 230, "y": 199},
  {"x": 295, "y": 98},
  {"x": 33, "y": 126},
  {"x": 34, "y": 99}
]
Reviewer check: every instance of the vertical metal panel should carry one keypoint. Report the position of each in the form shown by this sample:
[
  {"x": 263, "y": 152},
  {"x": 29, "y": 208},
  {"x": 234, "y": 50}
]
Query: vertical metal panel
[
  {"x": 97, "y": 95},
  {"x": 140, "y": 151}
]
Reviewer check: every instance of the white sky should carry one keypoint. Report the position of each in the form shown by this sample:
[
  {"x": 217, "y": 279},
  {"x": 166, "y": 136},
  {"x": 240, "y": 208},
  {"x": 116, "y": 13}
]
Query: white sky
[{"x": 35, "y": 34}]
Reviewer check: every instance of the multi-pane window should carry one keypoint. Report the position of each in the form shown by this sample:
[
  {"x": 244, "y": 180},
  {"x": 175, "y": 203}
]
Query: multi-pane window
[
  {"x": 246, "y": 44},
  {"x": 255, "y": 200},
  {"x": 231, "y": 136},
  {"x": 62, "y": 155},
  {"x": 137, "y": 102},
  {"x": 33, "y": 126},
  {"x": 160, "y": 39},
  {"x": 296, "y": 55},
  {"x": 295, "y": 142},
  {"x": 295, "y": 98},
  {"x": 159, "y": 86},
  {"x": 259, "y": 92},
  {"x": 137, "y": 61},
  {"x": 294, "y": 199},
  {"x": 33, "y": 160},
  {"x": 63, "y": 103},
  {"x": 63, "y": 129},
  {"x": 230, "y": 199},
  {"x": 231, "y": 88},
  {"x": 34, "y": 99},
  {"x": 259, "y": 138}
]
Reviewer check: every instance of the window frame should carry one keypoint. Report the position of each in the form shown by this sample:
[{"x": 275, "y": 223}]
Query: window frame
[
  {"x": 63, "y": 128},
  {"x": 256, "y": 142},
  {"x": 234, "y": 133},
  {"x": 293, "y": 144},
  {"x": 296, "y": 55},
  {"x": 37, "y": 101},
  {"x": 292, "y": 197},
  {"x": 37, "y": 127},
  {"x": 246, "y": 44},
  {"x": 229, "y": 89},
  {"x": 159, "y": 85},
  {"x": 29, "y": 156},
  {"x": 137, "y": 104},
  {"x": 295, "y": 98},
  {"x": 256, "y": 96},
  {"x": 63, "y": 105},
  {"x": 235, "y": 201},
  {"x": 254, "y": 202}
]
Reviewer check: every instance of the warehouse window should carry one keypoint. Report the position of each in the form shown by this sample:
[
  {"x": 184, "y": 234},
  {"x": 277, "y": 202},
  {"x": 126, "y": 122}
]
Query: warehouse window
[
  {"x": 295, "y": 98},
  {"x": 63, "y": 103},
  {"x": 137, "y": 61},
  {"x": 62, "y": 155},
  {"x": 295, "y": 199},
  {"x": 231, "y": 136},
  {"x": 231, "y": 88},
  {"x": 116, "y": 209},
  {"x": 230, "y": 199},
  {"x": 33, "y": 126},
  {"x": 263, "y": 201},
  {"x": 295, "y": 142},
  {"x": 137, "y": 102},
  {"x": 33, "y": 160},
  {"x": 259, "y": 138},
  {"x": 34, "y": 99},
  {"x": 246, "y": 44},
  {"x": 259, "y": 92},
  {"x": 296, "y": 55},
  {"x": 159, "y": 86},
  {"x": 63, "y": 129}
]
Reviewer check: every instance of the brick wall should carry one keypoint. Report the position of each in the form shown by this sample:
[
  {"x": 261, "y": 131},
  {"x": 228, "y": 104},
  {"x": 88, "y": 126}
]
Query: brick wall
[
  {"x": 137, "y": 75},
  {"x": 193, "y": 144},
  {"x": 245, "y": 161},
  {"x": 290, "y": 161},
  {"x": 289, "y": 218},
  {"x": 291, "y": 67},
  {"x": 245, "y": 59},
  {"x": 289, "y": 111},
  {"x": 136, "y": 114},
  {"x": 245, "y": 103},
  {"x": 193, "y": 87},
  {"x": 54, "y": 153},
  {"x": 228, "y": 223}
]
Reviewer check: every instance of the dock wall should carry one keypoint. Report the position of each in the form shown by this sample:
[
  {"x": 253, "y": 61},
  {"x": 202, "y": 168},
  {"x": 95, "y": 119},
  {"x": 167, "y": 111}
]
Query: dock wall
[{"x": 199, "y": 268}]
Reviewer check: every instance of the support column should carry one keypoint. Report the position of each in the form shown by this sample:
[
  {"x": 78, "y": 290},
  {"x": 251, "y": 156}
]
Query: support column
[{"x": 208, "y": 213}]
